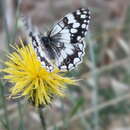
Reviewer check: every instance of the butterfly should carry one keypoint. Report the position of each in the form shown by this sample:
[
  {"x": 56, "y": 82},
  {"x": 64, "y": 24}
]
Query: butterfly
[{"x": 64, "y": 44}]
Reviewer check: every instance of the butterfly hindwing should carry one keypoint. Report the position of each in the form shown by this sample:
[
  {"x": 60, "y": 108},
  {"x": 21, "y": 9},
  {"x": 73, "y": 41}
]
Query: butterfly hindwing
[
  {"x": 40, "y": 51},
  {"x": 72, "y": 59},
  {"x": 36, "y": 39}
]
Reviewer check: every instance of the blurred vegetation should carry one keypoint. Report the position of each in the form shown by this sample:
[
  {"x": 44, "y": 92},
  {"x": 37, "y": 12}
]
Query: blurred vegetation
[{"x": 101, "y": 100}]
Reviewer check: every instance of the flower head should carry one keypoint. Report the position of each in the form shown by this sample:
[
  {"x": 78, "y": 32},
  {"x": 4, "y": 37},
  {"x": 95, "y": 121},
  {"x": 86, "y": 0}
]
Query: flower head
[{"x": 29, "y": 79}]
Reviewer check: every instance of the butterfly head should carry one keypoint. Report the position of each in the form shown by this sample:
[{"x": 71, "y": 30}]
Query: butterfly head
[{"x": 45, "y": 40}]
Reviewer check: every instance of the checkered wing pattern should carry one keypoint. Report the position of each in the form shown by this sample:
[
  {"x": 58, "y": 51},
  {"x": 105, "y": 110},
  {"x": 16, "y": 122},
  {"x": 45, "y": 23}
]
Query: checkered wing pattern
[
  {"x": 67, "y": 36},
  {"x": 64, "y": 43}
]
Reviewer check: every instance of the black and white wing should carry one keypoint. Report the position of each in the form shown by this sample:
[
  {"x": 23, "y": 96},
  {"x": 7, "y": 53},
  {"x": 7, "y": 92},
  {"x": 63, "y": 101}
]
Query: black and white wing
[
  {"x": 37, "y": 43},
  {"x": 64, "y": 43},
  {"x": 67, "y": 38}
]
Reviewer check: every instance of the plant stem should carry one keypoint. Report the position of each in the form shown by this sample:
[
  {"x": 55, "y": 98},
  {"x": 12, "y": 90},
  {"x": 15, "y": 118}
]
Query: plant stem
[
  {"x": 42, "y": 119},
  {"x": 94, "y": 86},
  {"x": 5, "y": 26},
  {"x": 21, "y": 122},
  {"x": 4, "y": 105}
]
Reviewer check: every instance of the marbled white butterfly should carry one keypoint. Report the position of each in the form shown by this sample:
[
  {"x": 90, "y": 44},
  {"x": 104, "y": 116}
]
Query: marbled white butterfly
[{"x": 64, "y": 43}]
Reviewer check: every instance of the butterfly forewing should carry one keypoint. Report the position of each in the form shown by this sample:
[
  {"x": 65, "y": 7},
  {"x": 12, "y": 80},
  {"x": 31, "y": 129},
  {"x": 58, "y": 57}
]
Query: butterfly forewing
[{"x": 69, "y": 32}]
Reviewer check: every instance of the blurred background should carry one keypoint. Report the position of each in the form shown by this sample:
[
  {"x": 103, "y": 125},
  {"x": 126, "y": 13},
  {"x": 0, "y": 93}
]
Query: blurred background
[{"x": 101, "y": 100}]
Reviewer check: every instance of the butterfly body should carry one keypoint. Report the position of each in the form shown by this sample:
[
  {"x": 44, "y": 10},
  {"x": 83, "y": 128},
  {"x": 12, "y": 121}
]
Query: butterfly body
[
  {"x": 64, "y": 43},
  {"x": 46, "y": 43}
]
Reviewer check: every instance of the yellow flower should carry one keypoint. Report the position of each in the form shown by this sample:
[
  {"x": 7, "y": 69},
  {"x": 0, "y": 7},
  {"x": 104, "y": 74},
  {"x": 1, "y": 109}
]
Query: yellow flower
[{"x": 29, "y": 79}]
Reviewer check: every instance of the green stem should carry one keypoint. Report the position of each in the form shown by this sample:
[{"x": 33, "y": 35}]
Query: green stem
[
  {"x": 4, "y": 105},
  {"x": 42, "y": 119},
  {"x": 21, "y": 122},
  {"x": 2, "y": 6},
  {"x": 16, "y": 20},
  {"x": 94, "y": 86}
]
